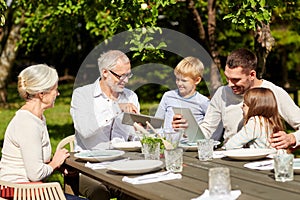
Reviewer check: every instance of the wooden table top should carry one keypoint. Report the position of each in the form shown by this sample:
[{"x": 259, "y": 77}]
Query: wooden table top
[{"x": 254, "y": 184}]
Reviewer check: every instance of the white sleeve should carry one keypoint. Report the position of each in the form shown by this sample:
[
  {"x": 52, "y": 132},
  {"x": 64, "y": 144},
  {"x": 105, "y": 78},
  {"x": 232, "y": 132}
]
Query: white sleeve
[
  {"x": 32, "y": 152},
  {"x": 245, "y": 135},
  {"x": 82, "y": 113},
  {"x": 212, "y": 122}
]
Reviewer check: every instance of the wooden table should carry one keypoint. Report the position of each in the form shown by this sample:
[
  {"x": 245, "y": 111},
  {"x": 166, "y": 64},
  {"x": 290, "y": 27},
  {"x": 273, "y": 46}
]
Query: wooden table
[{"x": 254, "y": 184}]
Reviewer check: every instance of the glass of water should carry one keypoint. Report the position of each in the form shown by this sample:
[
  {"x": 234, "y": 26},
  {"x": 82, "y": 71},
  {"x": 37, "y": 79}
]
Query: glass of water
[
  {"x": 219, "y": 182},
  {"x": 205, "y": 149},
  {"x": 173, "y": 159},
  {"x": 283, "y": 167}
]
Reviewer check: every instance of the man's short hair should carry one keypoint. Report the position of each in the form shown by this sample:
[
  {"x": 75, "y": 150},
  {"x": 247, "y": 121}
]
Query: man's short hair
[{"x": 242, "y": 58}]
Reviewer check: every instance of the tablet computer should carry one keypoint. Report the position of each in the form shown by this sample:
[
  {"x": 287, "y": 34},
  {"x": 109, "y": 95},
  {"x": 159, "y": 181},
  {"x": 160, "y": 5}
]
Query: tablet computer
[
  {"x": 193, "y": 131},
  {"x": 130, "y": 118}
]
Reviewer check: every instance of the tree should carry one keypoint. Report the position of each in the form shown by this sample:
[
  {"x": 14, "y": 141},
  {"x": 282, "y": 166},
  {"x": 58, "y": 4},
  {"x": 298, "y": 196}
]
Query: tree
[
  {"x": 3, "y": 7},
  {"x": 70, "y": 26},
  {"x": 287, "y": 36},
  {"x": 209, "y": 39},
  {"x": 61, "y": 33},
  {"x": 256, "y": 15},
  {"x": 10, "y": 34}
]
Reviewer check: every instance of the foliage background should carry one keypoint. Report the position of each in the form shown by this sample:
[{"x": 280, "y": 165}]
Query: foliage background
[{"x": 62, "y": 32}]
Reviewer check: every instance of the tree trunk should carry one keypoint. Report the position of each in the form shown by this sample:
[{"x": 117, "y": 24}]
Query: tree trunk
[
  {"x": 263, "y": 45},
  {"x": 197, "y": 18},
  {"x": 7, "y": 59},
  {"x": 216, "y": 66},
  {"x": 215, "y": 80}
]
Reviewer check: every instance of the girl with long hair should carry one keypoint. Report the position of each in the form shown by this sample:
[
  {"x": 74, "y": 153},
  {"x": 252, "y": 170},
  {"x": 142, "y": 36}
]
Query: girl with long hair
[{"x": 261, "y": 119}]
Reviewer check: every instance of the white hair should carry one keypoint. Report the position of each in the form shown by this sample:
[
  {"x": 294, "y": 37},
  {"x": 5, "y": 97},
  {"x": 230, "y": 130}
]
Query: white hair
[
  {"x": 111, "y": 59},
  {"x": 36, "y": 79}
]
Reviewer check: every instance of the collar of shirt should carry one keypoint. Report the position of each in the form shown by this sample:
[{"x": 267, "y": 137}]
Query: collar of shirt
[{"x": 98, "y": 91}]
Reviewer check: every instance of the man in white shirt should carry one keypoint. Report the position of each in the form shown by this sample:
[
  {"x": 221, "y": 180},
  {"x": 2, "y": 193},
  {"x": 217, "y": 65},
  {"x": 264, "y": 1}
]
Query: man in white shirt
[
  {"x": 224, "y": 115},
  {"x": 97, "y": 111}
]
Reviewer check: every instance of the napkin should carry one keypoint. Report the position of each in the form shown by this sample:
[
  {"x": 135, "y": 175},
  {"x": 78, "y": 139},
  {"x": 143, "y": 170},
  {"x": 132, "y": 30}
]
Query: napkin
[
  {"x": 234, "y": 194},
  {"x": 260, "y": 165},
  {"x": 103, "y": 165},
  {"x": 218, "y": 154},
  {"x": 117, "y": 140},
  {"x": 151, "y": 178}
]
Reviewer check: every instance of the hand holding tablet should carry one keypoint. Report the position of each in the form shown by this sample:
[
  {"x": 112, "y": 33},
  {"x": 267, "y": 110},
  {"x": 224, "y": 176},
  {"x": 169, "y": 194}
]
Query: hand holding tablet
[
  {"x": 193, "y": 130},
  {"x": 130, "y": 118}
]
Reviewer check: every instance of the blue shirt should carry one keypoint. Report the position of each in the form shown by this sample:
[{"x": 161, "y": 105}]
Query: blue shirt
[{"x": 198, "y": 104}]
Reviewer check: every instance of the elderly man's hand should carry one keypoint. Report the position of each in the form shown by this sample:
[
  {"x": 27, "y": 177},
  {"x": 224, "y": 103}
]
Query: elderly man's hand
[
  {"x": 128, "y": 107},
  {"x": 282, "y": 140}
]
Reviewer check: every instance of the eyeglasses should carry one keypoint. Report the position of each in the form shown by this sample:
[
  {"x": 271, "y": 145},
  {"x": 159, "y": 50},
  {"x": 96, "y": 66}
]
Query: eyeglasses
[{"x": 121, "y": 77}]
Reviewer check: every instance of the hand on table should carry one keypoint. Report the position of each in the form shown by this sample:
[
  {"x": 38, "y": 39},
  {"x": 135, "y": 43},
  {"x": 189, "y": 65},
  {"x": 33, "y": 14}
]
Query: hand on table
[{"x": 59, "y": 158}]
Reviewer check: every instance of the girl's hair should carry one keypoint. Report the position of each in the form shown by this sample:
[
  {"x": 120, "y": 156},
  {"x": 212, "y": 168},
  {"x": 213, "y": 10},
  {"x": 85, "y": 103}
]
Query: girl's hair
[
  {"x": 190, "y": 66},
  {"x": 262, "y": 103},
  {"x": 36, "y": 79}
]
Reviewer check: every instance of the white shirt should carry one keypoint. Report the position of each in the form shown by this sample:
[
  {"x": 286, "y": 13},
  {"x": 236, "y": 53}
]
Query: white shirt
[{"x": 97, "y": 119}]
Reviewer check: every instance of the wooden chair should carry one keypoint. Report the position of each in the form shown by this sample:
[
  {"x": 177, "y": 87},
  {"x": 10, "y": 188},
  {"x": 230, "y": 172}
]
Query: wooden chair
[
  {"x": 65, "y": 143},
  {"x": 40, "y": 191},
  {"x": 69, "y": 140}
]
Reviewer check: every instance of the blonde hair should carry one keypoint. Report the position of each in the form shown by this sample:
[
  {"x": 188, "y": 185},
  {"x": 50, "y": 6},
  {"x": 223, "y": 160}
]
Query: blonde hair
[
  {"x": 190, "y": 66},
  {"x": 111, "y": 59},
  {"x": 36, "y": 79}
]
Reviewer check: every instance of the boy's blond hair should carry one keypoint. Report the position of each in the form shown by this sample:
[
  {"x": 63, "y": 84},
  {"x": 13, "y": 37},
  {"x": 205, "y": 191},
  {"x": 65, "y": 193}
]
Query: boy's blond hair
[{"x": 190, "y": 66}]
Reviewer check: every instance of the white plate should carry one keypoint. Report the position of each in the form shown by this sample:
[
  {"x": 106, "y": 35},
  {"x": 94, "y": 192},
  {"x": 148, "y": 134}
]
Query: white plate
[
  {"x": 188, "y": 146},
  {"x": 128, "y": 146},
  {"x": 99, "y": 155},
  {"x": 248, "y": 154},
  {"x": 297, "y": 165},
  {"x": 135, "y": 166}
]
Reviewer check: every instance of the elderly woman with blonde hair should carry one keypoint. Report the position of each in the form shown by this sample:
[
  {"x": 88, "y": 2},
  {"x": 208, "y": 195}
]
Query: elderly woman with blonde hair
[{"x": 26, "y": 152}]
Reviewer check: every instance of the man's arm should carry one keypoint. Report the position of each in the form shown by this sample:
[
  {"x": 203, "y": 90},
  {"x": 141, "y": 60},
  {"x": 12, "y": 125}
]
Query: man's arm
[
  {"x": 290, "y": 112},
  {"x": 211, "y": 125}
]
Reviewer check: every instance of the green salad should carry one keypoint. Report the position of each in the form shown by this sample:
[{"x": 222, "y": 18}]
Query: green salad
[{"x": 153, "y": 140}]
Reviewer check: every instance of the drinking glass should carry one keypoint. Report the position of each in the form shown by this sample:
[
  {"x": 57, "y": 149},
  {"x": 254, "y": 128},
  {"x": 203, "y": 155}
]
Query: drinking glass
[
  {"x": 151, "y": 151},
  {"x": 283, "y": 167},
  {"x": 173, "y": 136},
  {"x": 219, "y": 182},
  {"x": 174, "y": 159},
  {"x": 205, "y": 149}
]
